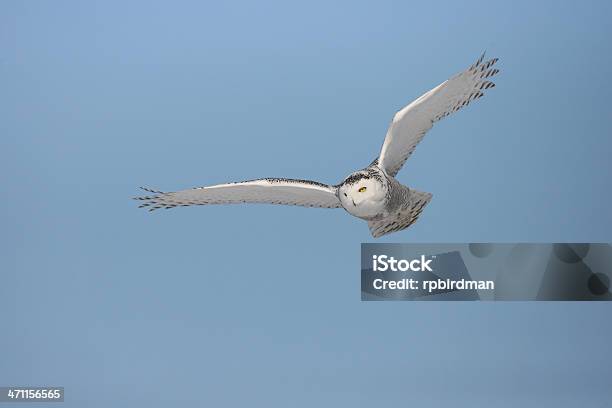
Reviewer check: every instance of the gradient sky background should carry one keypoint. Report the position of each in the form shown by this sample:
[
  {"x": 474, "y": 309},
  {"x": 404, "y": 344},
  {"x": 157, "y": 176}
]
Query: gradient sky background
[{"x": 238, "y": 306}]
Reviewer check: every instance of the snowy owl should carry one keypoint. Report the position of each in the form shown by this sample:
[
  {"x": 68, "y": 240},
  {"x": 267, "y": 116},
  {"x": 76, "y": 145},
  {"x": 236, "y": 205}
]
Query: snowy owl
[{"x": 372, "y": 194}]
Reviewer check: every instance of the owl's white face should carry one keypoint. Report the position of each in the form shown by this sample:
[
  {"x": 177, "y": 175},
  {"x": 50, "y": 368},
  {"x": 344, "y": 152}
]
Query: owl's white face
[{"x": 362, "y": 196}]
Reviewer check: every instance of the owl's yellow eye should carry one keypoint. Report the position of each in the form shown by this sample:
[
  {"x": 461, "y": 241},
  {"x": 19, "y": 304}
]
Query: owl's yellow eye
[{"x": 362, "y": 189}]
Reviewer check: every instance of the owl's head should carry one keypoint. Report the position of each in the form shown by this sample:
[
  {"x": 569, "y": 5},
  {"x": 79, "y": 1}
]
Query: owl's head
[{"x": 363, "y": 194}]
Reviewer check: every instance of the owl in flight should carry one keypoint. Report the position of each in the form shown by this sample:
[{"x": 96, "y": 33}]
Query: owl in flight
[{"x": 372, "y": 194}]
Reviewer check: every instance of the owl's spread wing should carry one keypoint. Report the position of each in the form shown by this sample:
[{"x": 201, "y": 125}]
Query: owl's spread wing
[
  {"x": 269, "y": 191},
  {"x": 410, "y": 124}
]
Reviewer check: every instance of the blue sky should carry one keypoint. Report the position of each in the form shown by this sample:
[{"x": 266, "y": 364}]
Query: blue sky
[{"x": 237, "y": 305}]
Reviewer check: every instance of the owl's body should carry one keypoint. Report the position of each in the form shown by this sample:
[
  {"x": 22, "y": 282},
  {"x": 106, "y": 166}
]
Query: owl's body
[{"x": 373, "y": 195}]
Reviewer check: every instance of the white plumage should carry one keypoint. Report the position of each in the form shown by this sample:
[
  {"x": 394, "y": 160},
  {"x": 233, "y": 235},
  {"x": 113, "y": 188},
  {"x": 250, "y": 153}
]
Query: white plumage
[
  {"x": 265, "y": 191},
  {"x": 373, "y": 193},
  {"x": 410, "y": 124}
]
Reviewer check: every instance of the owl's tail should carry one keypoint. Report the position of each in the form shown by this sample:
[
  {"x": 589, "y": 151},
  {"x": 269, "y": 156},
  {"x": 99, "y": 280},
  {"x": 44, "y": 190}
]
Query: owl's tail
[{"x": 403, "y": 218}]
